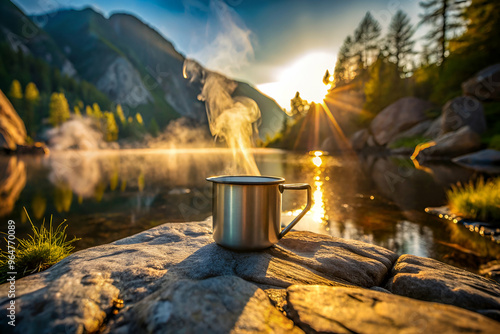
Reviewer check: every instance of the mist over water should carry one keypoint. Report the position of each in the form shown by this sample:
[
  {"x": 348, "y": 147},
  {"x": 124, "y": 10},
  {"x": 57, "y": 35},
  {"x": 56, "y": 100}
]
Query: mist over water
[
  {"x": 233, "y": 120},
  {"x": 226, "y": 46}
]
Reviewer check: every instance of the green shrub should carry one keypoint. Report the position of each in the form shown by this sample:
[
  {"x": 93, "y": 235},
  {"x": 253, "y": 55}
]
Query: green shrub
[
  {"x": 44, "y": 248},
  {"x": 480, "y": 200}
]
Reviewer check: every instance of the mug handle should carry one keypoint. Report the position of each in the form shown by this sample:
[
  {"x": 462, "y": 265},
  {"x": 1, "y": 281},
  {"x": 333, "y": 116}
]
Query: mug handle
[{"x": 296, "y": 186}]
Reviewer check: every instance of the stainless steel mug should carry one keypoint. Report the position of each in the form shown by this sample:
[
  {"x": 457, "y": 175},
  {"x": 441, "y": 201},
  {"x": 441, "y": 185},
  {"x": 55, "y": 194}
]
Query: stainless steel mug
[{"x": 247, "y": 210}]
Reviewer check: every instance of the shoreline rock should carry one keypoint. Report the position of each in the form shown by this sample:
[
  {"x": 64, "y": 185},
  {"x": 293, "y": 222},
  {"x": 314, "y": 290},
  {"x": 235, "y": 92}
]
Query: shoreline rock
[
  {"x": 175, "y": 277},
  {"x": 433, "y": 281}
]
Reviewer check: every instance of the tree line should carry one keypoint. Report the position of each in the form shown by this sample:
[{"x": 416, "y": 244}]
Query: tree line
[
  {"x": 50, "y": 98},
  {"x": 463, "y": 37},
  {"x": 59, "y": 111}
]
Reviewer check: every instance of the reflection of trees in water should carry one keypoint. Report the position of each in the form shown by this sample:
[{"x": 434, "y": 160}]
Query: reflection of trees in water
[
  {"x": 38, "y": 205},
  {"x": 63, "y": 197},
  {"x": 473, "y": 241},
  {"x": 86, "y": 174},
  {"x": 413, "y": 189},
  {"x": 12, "y": 182},
  {"x": 78, "y": 171}
]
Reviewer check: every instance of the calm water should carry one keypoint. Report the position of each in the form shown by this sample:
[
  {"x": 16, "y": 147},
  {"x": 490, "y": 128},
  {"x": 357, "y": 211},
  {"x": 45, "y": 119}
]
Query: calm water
[{"x": 109, "y": 195}]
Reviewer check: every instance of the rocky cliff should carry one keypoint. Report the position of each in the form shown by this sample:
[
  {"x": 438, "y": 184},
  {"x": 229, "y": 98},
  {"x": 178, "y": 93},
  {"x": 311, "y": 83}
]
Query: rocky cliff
[
  {"x": 12, "y": 129},
  {"x": 136, "y": 66}
]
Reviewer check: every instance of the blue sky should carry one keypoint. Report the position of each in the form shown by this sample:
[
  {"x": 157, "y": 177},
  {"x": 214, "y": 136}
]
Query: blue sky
[{"x": 252, "y": 40}]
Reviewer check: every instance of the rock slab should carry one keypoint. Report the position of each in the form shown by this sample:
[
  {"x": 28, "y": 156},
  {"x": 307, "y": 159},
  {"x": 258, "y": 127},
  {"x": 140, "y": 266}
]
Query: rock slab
[
  {"x": 485, "y": 85},
  {"x": 81, "y": 293},
  {"x": 431, "y": 280},
  {"x": 224, "y": 304},
  {"x": 322, "y": 309},
  {"x": 463, "y": 111},
  {"x": 175, "y": 279},
  {"x": 12, "y": 129},
  {"x": 398, "y": 117},
  {"x": 452, "y": 144}
]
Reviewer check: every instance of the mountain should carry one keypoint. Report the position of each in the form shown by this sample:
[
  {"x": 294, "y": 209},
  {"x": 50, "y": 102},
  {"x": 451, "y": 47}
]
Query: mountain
[
  {"x": 22, "y": 34},
  {"x": 137, "y": 67}
]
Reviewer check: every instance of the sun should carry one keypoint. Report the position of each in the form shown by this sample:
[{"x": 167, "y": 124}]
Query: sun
[{"x": 304, "y": 75}]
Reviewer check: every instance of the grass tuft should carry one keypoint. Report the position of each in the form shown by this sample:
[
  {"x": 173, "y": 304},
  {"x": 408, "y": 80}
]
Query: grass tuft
[
  {"x": 42, "y": 249},
  {"x": 480, "y": 200}
]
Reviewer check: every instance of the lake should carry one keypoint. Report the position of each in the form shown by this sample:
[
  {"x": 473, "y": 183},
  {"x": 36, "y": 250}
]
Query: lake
[{"x": 108, "y": 195}]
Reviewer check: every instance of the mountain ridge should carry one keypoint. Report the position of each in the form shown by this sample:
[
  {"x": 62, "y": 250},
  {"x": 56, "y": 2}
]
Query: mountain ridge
[{"x": 136, "y": 66}]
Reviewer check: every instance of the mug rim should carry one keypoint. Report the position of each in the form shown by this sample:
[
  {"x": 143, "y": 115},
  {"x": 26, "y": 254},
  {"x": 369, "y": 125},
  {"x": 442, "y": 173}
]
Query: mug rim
[{"x": 246, "y": 179}]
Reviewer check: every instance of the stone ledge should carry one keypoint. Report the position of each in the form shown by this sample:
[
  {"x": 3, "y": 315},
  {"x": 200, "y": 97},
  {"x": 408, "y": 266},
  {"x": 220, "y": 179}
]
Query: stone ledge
[{"x": 177, "y": 269}]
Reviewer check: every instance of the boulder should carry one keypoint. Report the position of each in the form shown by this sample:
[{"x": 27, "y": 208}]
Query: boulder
[
  {"x": 491, "y": 270},
  {"x": 433, "y": 281},
  {"x": 463, "y": 111},
  {"x": 370, "y": 142},
  {"x": 398, "y": 117},
  {"x": 434, "y": 130},
  {"x": 12, "y": 129},
  {"x": 452, "y": 144},
  {"x": 86, "y": 289},
  {"x": 485, "y": 85},
  {"x": 322, "y": 309},
  {"x": 359, "y": 139},
  {"x": 225, "y": 304},
  {"x": 417, "y": 130},
  {"x": 483, "y": 157},
  {"x": 484, "y": 161}
]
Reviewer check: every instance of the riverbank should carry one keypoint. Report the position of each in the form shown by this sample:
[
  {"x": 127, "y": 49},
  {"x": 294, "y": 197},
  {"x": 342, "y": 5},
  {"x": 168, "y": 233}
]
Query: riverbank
[{"x": 174, "y": 276}]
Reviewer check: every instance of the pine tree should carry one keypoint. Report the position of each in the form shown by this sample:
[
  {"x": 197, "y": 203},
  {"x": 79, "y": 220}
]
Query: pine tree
[
  {"x": 16, "y": 96},
  {"x": 16, "y": 92},
  {"x": 31, "y": 93},
  {"x": 154, "y": 129},
  {"x": 138, "y": 117},
  {"x": 384, "y": 86},
  {"x": 97, "y": 113},
  {"x": 298, "y": 105},
  {"x": 482, "y": 34},
  {"x": 119, "y": 113},
  {"x": 76, "y": 110},
  {"x": 341, "y": 73},
  {"x": 443, "y": 16},
  {"x": 89, "y": 112},
  {"x": 58, "y": 109},
  {"x": 399, "y": 39},
  {"x": 326, "y": 78},
  {"x": 31, "y": 98},
  {"x": 366, "y": 36},
  {"x": 111, "y": 128}
]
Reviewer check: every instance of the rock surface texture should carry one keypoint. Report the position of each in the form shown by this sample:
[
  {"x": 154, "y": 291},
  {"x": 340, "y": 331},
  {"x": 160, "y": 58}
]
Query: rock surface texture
[
  {"x": 453, "y": 144},
  {"x": 485, "y": 160},
  {"x": 12, "y": 130},
  {"x": 359, "y": 139},
  {"x": 431, "y": 280},
  {"x": 398, "y": 117},
  {"x": 485, "y": 85},
  {"x": 323, "y": 309},
  {"x": 174, "y": 278},
  {"x": 463, "y": 111}
]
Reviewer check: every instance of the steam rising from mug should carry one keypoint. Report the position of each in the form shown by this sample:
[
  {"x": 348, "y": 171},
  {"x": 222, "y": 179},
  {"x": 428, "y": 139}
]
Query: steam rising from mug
[{"x": 232, "y": 119}]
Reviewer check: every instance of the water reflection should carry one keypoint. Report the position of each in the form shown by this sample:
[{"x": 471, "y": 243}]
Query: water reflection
[
  {"x": 318, "y": 206},
  {"x": 12, "y": 182},
  {"x": 109, "y": 195}
]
